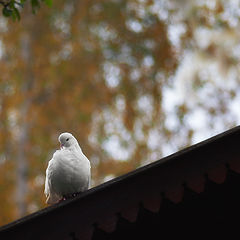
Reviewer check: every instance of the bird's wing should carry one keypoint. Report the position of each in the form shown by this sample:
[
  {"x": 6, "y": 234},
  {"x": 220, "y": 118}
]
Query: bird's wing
[
  {"x": 46, "y": 189},
  {"x": 52, "y": 197}
]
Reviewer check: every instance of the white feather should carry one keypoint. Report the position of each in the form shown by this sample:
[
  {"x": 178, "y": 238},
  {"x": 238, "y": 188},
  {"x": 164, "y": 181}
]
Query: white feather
[{"x": 68, "y": 172}]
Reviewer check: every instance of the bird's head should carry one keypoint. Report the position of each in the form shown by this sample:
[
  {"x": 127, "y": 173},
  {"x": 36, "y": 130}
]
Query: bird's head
[{"x": 67, "y": 140}]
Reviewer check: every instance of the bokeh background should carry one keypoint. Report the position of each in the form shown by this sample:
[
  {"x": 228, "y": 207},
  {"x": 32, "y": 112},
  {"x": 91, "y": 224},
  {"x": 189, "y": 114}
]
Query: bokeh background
[{"x": 133, "y": 80}]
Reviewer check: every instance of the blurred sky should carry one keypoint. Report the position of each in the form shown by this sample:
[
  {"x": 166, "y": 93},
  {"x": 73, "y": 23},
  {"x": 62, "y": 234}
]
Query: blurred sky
[{"x": 210, "y": 69}]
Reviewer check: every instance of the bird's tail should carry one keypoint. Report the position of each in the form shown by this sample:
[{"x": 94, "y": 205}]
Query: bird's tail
[{"x": 52, "y": 198}]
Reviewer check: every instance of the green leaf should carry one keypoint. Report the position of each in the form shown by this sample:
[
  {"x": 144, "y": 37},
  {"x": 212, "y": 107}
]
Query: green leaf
[
  {"x": 7, "y": 12},
  {"x": 48, "y": 2},
  {"x": 12, "y": 3},
  {"x": 16, "y": 13},
  {"x": 35, "y": 5}
]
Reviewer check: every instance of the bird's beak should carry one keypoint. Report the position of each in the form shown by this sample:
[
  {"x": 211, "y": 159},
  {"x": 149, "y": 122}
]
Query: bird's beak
[{"x": 61, "y": 146}]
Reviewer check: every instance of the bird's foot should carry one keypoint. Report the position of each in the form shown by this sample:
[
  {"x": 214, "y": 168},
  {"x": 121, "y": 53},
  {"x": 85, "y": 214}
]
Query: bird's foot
[
  {"x": 62, "y": 199},
  {"x": 69, "y": 196}
]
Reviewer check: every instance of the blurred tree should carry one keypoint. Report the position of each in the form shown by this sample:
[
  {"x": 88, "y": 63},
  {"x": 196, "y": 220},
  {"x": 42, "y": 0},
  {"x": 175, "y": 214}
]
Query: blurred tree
[{"x": 132, "y": 80}]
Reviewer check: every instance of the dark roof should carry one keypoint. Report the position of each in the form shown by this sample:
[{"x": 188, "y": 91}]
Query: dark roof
[{"x": 130, "y": 203}]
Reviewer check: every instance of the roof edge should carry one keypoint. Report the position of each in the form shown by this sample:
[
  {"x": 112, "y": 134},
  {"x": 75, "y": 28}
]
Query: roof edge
[{"x": 196, "y": 147}]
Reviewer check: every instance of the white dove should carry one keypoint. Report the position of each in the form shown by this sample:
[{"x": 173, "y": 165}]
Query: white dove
[{"x": 68, "y": 172}]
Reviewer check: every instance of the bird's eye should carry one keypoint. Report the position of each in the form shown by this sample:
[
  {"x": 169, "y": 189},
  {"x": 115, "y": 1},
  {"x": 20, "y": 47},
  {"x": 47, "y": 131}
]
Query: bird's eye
[{"x": 67, "y": 139}]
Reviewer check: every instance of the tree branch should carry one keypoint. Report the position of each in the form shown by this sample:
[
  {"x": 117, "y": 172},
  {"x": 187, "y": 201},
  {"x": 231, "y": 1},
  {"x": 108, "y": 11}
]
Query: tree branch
[{"x": 5, "y": 4}]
